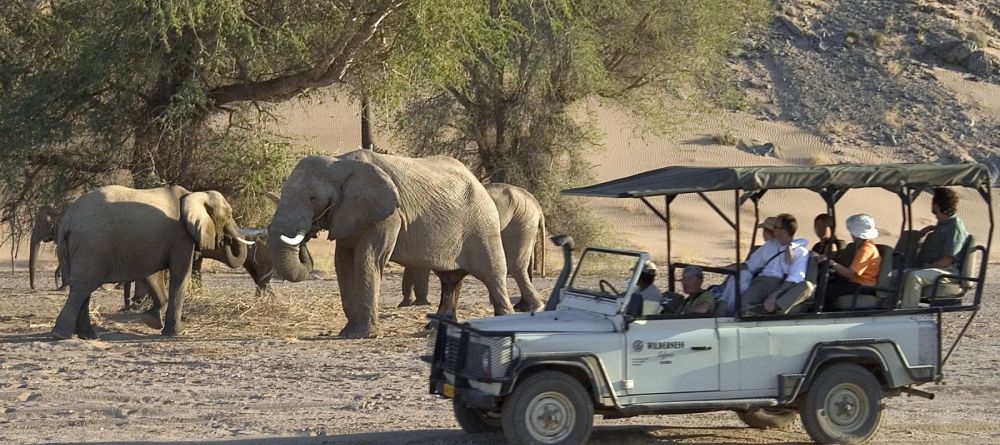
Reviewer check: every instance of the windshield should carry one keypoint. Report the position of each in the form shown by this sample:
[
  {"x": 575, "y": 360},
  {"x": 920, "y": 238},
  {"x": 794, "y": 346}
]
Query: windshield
[{"x": 604, "y": 274}]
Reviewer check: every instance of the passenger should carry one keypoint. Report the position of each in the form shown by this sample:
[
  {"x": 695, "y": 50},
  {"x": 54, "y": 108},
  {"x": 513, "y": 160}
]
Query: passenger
[
  {"x": 759, "y": 256},
  {"x": 942, "y": 252},
  {"x": 828, "y": 242},
  {"x": 780, "y": 284},
  {"x": 698, "y": 300},
  {"x": 866, "y": 264}
]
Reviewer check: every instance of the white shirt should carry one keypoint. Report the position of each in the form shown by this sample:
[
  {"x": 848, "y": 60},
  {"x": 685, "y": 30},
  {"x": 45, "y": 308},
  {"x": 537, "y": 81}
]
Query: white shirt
[{"x": 793, "y": 271}]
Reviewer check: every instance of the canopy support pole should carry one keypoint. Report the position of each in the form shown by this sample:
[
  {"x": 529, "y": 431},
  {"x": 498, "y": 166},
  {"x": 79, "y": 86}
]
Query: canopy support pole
[
  {"x": 739, "y": 265},
  {"x": 735, "y": 226}
]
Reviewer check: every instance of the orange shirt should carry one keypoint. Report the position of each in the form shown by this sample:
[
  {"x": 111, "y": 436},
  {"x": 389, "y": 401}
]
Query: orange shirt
[{"x": 866, "y": 264}]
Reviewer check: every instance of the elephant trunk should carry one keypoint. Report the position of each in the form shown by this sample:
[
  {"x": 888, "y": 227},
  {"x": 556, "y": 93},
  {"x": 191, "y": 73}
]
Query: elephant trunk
[
  {"x": 32, "y": 258},
  {"x": 291, "y": 262},
  {"x": 234, "y": 253}
]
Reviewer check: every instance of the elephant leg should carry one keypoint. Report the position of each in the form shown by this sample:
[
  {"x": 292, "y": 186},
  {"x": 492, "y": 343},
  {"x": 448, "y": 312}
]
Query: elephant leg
[
  {"x": 180, "y": 281},
  {"x": 415, "y": 284},
  {"x": 61, "y": 284},
  {"x": 70, "y": 315},
  {"x": 154, "y": 286},
  {"x": 357, "y": 318},
  {"x": 127, "y": 294},
  {"x": 451, "y": 287},
  {"x": 371, "y": 254},
  {"x": 529, "y": 295},
  {"x": 408, "y": 278},
  {"x": 496, "y": 283},
  {"x": 84, "y": 328}
]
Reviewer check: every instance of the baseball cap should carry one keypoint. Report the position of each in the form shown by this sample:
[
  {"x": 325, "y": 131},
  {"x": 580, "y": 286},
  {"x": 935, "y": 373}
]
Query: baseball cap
[{"x": 769, "y": 223}]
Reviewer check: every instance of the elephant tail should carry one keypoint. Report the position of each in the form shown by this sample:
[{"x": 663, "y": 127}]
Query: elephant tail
[{"x": 537, "y": 262}]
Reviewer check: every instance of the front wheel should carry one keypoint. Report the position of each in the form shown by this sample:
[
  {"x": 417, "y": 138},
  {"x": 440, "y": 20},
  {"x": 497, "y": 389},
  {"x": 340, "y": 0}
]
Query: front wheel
[
  {"x": 844, "y": 405},
  {"x": 475, "y": 420},
  {"x": 767, "y": 418},
  {"x": 548, "y": 408}
]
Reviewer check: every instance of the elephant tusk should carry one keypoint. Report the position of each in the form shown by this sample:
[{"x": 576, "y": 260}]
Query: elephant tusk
[
  {"x": 293, "y": 241},
  {"x": 245, "y": 242}
]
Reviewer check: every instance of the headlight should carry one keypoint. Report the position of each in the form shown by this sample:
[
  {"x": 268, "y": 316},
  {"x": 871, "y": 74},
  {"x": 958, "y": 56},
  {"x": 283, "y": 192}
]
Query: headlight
[{"x": 489, "y": 356}]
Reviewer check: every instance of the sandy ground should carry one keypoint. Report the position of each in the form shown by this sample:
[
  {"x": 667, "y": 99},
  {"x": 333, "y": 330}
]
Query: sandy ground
[{"x": 265, "y": 370}]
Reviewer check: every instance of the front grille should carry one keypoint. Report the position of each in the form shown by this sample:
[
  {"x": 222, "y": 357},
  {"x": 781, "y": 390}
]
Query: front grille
[{"x": 451, "y": 349}]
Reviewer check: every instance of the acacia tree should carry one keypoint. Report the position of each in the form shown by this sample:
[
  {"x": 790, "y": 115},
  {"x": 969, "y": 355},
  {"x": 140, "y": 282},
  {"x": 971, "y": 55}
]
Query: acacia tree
[
  {"x": 173, "y": 91},
  {"x": 507, "y": 109}
]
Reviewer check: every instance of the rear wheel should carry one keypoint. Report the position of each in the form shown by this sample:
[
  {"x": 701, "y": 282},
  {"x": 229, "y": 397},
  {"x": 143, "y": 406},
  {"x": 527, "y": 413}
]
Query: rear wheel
[
  {"x": 767, "y": 418},
  {"x": 475, "y": 420},
  {"x": 548, "y": 408},
  {"x": 843, "y": 405}
]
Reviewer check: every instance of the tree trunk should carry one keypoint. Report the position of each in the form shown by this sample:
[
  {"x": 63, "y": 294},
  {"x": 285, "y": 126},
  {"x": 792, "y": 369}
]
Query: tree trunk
[{"x": 366, "y": 123}]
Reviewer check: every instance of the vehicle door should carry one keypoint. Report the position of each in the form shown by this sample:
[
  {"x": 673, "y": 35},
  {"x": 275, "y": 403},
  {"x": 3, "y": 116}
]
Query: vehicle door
[{"x": 672, "y": 354}]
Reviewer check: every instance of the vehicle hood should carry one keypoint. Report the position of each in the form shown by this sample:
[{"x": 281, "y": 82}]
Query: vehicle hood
[{"x": 559, "y": 320}]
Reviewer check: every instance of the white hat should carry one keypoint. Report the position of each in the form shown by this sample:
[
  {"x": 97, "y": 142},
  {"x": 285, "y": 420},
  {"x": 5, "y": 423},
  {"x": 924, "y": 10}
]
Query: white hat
[{"x": 862, "y": 226}]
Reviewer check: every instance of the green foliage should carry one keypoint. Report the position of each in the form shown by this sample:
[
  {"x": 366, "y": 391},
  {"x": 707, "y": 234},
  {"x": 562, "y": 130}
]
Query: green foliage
[
  {"x": 507, "y": 109},
  {"x": 91, "y": 88}
]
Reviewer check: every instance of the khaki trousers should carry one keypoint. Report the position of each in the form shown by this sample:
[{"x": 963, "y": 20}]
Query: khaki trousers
[
  {"x": 914, "y": 283},
  {"x": 790, "y": 295}
]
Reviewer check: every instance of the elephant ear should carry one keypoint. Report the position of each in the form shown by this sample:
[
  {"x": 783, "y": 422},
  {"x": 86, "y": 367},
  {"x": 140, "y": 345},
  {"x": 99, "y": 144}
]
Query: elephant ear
[
  {"x": 196, "y": 214},
  {"x": 368, "y": 195}
]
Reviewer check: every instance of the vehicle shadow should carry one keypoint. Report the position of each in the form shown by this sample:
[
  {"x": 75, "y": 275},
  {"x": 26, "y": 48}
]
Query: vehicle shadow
[{"x": 624, "y": 435}]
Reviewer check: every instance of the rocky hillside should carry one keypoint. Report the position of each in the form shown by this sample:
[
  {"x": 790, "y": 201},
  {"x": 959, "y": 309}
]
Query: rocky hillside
[{"x": 916, "y": 80}]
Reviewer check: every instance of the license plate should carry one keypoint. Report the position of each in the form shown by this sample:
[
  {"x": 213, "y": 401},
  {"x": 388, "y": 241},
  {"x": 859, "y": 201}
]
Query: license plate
[{"x": 449, "y": 390}]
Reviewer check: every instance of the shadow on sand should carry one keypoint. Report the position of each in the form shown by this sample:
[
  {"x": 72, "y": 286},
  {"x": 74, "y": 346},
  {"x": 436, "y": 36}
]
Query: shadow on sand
[{"x": 625, "y": 435}]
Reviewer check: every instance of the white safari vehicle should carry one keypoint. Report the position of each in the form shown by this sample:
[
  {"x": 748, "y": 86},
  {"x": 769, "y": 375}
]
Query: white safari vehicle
[{"x": 541, "y": 377}]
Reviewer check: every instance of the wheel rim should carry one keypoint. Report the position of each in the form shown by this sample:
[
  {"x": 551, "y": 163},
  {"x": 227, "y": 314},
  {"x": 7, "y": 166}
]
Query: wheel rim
[
  {"x": 846, "y": 407},
  {"x": 551, "y": 417}
]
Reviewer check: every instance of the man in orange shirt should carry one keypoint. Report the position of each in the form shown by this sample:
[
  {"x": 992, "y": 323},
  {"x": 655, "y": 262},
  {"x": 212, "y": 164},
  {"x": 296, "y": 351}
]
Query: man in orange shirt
[{"x": 866, "y": 264}]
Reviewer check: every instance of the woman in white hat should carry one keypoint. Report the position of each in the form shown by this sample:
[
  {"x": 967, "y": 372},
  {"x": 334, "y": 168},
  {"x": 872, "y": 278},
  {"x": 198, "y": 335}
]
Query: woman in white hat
[{"x": 866, "y": 264}]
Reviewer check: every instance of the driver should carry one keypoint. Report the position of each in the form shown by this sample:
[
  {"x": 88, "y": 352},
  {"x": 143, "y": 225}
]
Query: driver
[{"x": 651, "y": 296}]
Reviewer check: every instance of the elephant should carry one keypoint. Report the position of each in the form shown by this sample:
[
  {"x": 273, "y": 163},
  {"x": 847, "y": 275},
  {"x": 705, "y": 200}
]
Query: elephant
[
  {"x": 429, "y": 213},
  {"x": 117, "y": 233},
  {"x": 521, "y": 224},
  {"x": 45, "y": 228}
]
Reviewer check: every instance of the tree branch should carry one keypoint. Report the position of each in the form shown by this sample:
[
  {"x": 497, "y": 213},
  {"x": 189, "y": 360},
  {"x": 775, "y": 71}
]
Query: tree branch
[{"x": 328, "y": 70}]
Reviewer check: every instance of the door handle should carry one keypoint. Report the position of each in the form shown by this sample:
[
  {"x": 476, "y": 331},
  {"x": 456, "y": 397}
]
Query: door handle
[{"x": 701, "y": 348}]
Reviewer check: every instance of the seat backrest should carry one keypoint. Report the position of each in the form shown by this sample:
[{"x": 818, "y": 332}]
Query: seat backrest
[
  {"x": 970, "y": 263},
  {"x": 909, "y": 245},
  {"x": 885, "y": 273},
  {"x": 812, "y": 267}
]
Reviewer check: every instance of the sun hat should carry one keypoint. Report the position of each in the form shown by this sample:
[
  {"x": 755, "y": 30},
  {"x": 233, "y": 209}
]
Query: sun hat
[
  {"x": 769, "y": 223},
  {"x": 862, "y": 226}
]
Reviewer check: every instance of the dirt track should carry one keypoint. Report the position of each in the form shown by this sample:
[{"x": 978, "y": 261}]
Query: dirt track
[{"x": 265, "y": 371}]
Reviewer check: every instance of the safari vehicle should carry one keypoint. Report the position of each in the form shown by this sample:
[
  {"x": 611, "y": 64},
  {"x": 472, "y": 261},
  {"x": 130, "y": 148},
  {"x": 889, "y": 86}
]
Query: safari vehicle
[{"x": 540, "y": 377}]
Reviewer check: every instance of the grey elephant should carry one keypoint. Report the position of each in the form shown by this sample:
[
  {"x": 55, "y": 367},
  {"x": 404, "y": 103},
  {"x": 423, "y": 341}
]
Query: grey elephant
[
  {"x": 116, "y": 233},
  {"x": 521, "y": 224},
  {"x": 430, "y": 213}
]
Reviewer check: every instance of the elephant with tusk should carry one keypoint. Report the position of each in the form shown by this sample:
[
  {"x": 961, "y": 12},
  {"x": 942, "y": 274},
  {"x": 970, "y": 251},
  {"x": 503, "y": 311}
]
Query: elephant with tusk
[
  {"x": 522, "y": 224},
  {"x": 116, "y": 233},
  {"x": 428, "y": 213}
]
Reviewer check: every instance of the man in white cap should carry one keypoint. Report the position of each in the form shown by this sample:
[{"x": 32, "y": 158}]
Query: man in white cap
[{"x": 866, "y": 264}]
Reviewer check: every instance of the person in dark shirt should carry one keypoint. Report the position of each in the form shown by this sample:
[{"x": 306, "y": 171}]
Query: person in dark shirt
[
  {"x": 828, "y": 243},
  {"x": 941, "y": 252}
]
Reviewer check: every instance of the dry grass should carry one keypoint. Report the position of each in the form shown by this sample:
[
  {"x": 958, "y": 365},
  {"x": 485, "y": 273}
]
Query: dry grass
[
  {"x": 835, "y": 128},
  {"x": 880, "y": 39},
  {"x": 891, "y": 118},
  {"x": 242, "y": 306},
  {"x": 853, "y": 37},
  {"x": 820, "y": 158},
  {"x": 980, "y": 38},
  {"x": 725, "y": 138},
  {"x": 894, "y": 68}
]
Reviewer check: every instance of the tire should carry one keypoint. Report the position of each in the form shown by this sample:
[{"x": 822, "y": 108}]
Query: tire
[
  {"x": 475, "y": 420},
  {"x": 843, "y": 405},
  {"x": 548, "y": 408},
  {"x": 768, "y": 418}
]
